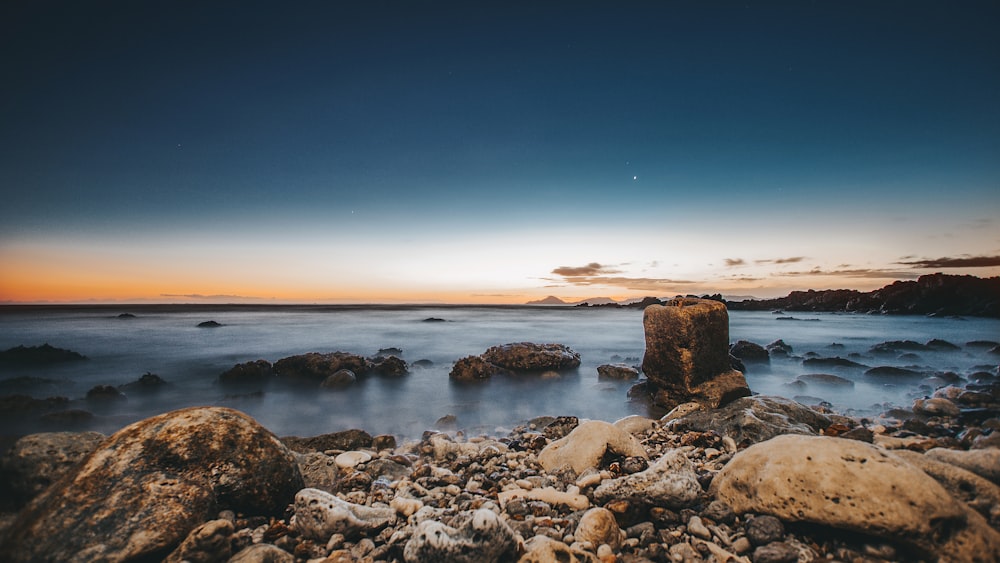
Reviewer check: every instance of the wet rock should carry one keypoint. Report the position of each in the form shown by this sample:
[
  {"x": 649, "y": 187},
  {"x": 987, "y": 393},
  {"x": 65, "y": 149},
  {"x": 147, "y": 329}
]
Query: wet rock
[
  {"x": 621, "y": 372},
  {"x": 938, "y": 344},
  {"x": 38, "y": 460},
  {"x": 257, "y": 372},
  {"x": 527, "y": 356},
  {"x": 319, "y": 515},
  {"x": 209, "y": 324},
  {"x": 849, "y": 485},
  {"x": 669, "y": 482},
  {"x": 587, "y": 445},
  {"x": 148, "y": 485},
  {"x": 836, "y": 362},
  {"x": 891, "y": 372},
  {"x": 935, "y": 406},
  {"x": 344, "y": 440},
  {"x": 207, "y": 543},
  {"x": 315, "y": 367},
  {"x": 687, "y": 354},
  {"x": 343, "y": 378},
  {"x": 824, "y": 379},
  {"x": 750, "y": 352},
  {"x": 103, "y": 393},
  {"x": 147, "y": 383},
  {"x": 473, "y": 368},
  {"x": 391, "y": 366},
  {"x": 543, "y": 549},
  {"x": 983, "y": 462},
  {"x": 598, "y": 526},
  {"x": 38, "y": 356},
  {"x": 779, "y": 348},
  {"x": 897, "y": 346},
  {"x": 755, "y": 419},
  {"x": 478, "y": 536}
]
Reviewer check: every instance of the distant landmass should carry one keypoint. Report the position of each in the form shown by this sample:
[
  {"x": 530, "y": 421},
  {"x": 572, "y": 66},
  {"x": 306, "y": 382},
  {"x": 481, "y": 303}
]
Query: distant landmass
[{"x": 932, "y": 294}]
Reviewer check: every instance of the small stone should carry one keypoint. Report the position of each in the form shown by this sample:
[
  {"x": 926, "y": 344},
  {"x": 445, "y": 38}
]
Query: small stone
[
  {"x": 719, "y": 511},
  {"x": 598, "y": 526},
  {"x": 696, "y": 528},
  {"x": 406, "y": 506},
  {"x": 776, "y": 552},
  {"x": 543, "y": 549},
  {"x": 765, "y": 529},
  {"x": 318, "y": 515},
  {"x": 669, "y": 482},
  {"x": 742, "y": 545},
  {"x": 348, "y": 460},
  {"x": 208, "y": 542}
]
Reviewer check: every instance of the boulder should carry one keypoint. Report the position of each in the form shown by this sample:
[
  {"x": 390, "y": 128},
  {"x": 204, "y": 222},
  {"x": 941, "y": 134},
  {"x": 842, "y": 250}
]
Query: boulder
[
  {"x": 754, "y": 419},
  {"x": 343, "y": 378},
  {"x": 391, "y": 366},
  {"x": 249, "y": 373},
  {"x": 749, "y": 352},
  {"x": 687, "y": 354},
  {"x": 779, "y": 348},
  {"x": 824, "y": 379},
  {"x": 621, "y": 372},
  {"x": 669, "y": 482},
  {"x": 527, "y": 356},
  {"x": 476, "y": 536},
  {"x": 319, "y": 515},
  {"x": 984, "y": 462},
  {"x": 38, "y": 460},
  {"x": 315, "y": 367},
  {"x": 473, "y": 368},
  {"x": 587, "y": 445},
  {"x": 852, "y": 486},
  {"x": 140, "y": 493}
]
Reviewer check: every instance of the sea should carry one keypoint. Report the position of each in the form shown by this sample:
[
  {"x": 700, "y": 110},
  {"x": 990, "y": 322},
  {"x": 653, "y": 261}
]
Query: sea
[{"x": 122, "y": 343}]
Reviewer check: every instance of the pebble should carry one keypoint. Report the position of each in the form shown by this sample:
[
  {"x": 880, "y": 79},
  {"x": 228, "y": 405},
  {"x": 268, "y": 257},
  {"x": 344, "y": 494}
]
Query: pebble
[
  {"x": 349, "y": 460},
  {"x": 697, "y": 528}
]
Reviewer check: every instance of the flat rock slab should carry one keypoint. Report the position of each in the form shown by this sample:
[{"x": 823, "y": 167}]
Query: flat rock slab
[{"x": 140, "y": 493}]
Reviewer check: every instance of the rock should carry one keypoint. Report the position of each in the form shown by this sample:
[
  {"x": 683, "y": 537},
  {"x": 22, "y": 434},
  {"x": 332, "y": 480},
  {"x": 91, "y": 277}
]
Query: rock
[
  {"x": 587, "y": 445},
  {"x": 209, "y": 324},
  {"x": 250, "y": 373},
  {"x": 961, "y": 483},
  {"x": 349, "y": 460},
  {"x": 105, "y": 393},
  {"x": 147, "y": 383},
  {"x": 897, "y": 346},
  {"x": 824, "y": 379},
  {"x": 344, "y": 440},
  {"x": 669, "y": 482},
  {"x": 697, "y": 528},
  {"x": 527, "y": 356},
  {"x": 755, "y": 419},
  {"x": 38, "y": 356},
  {"x": 938, "y": 344},
  {"x": 853, "y": 486},
  {"x": 778, "y": 347},
  {"x": 478, "y": 536},
  {"x": 764, "y": 529},
  {"x": 719, "y": 511},
  {"x": 891, "y": 372},
  {"x": 391, "y": 366},
  {"x": 147, "y": 486},
  {"x": 38, "y": 460},
  {"x": 835, "y": 362},
  {"x": 553, "y": 497},
  {"x": 343, "y": 378},
  {"x": 687, "y": 354},
  {"x": 319, "y": 471},
  {"x": 598, "y": 526},
  {"x": 984, "y": 462},
  {"x": 314, "y": 367},
  {"x": 207, "y": 543},
  {"x": 263, "y": 553},
  {"x": 620, "y": 372},
  {"x": 543, "y": 549},
  {"x": 777, "y": 552},
  {"x": 635, "y": 424},
  {"x": 682, "y": 410},
  {"x": 935, "y": 406},
  {"x": 750, "y": 352},
  {"x": 473, "y": 368},
  {"x": 319, "y": 515}
]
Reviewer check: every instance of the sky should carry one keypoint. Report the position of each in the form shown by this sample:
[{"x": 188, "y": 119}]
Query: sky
[{"x": 493, "y": 152}]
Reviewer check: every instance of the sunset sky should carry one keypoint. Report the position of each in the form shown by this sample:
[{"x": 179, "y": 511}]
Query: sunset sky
[{"x": 492, "y": 152}]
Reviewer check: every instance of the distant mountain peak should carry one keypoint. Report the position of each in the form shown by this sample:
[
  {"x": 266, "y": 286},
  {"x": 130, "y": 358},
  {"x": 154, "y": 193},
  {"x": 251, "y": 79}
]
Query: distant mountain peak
[{"x": 550, "y": 300}]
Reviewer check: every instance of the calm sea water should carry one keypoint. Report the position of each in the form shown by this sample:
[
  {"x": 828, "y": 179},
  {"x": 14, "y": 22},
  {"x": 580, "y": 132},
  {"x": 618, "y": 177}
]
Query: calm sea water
[{"x": 166, "y": 341}]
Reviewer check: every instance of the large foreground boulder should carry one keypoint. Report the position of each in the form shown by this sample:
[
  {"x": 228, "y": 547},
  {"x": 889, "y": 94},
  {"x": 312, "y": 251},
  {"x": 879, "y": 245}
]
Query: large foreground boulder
[
  {"x": 141, "y": 492},
  {"x": 856, "y": 487},
  {"x": 38, "y": 460},
  {"x": 687, "y": 354}
]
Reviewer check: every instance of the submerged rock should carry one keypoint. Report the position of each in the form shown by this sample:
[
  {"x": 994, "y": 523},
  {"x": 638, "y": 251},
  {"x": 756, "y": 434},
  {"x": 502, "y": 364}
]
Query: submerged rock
[
  {"x": 825, "y": 379},
  {"x": 528, "y": 356},
  {"x": 687, "y": 354},
  {"x": 249, "y": 373},
  {"x": 148, "y": 485},
  {"x": 473, "y": 368},
  {"x": 749, "y": 352},
  {"x": 314, "y": 367},
  {"x": 478, "y": 536},
  {"x": 617, "y": 371}
]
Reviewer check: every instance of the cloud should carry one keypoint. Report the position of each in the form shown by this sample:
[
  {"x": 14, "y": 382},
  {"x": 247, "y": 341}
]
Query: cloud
[
  {"x": 731, "y": 262},
  {"x": 591, "y": 269},
  {"x": 863, "y": 273},
  {"x": 965, "y": 261},
  {"x": 792, "y": 260}
]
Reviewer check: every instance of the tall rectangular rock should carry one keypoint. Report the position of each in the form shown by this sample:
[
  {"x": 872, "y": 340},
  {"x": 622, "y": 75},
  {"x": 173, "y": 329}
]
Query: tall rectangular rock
[{"x": 687, "y": 354}]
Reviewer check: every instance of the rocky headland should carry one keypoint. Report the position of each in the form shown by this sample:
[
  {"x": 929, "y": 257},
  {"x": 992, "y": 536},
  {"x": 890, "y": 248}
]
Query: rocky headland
[{"x": 724, "y": 475}]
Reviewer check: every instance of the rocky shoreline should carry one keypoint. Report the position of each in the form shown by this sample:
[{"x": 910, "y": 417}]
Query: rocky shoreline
[{"x": 723, "y": 476}]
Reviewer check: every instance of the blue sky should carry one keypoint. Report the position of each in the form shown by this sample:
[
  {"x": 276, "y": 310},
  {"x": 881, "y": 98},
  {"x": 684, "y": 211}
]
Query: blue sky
[{"x": 467, "y": 152}]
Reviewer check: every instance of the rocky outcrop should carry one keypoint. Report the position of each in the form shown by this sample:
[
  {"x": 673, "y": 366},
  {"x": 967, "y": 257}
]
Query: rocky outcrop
[
  {"x": 755, "y": 419},
  {"x": 473, "y": 368},
  {"x": 140, "y": 493},
  {"x": 45, "y": 354},
  {"x": 528, "y": 357},
  {"x": 255, "y": 373},
  {"x": 687, "y": 354},
  {"x": 313, "y": 368},
  {"x": 852, "y": 486},
  {"x": 620, "y": 372},
  {"x": 938, "y": 294}
]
